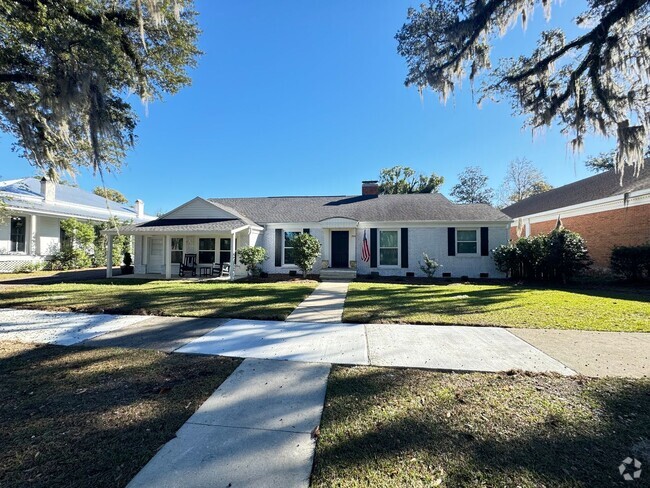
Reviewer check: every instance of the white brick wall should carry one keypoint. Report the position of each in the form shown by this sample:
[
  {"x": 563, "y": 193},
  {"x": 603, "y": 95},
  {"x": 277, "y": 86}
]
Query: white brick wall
[{"x": 431, "y": 240}]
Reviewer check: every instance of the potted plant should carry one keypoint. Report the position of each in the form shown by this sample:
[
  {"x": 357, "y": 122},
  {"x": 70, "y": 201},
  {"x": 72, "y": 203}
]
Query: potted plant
[{"x": 127, "y": 267}]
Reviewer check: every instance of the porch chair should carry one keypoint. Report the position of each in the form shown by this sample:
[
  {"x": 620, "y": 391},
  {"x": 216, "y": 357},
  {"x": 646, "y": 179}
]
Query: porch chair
[
  {"x": 225, "y": 269},
  {"x": 188, "y": 265}
]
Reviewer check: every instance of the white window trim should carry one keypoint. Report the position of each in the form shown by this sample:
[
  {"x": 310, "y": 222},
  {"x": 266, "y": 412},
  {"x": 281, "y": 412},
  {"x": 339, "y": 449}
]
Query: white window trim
[
  {"x": 284, "y": 239},
  {"x": 478, "y": 243},
  {"x": 379, "y": 248}
]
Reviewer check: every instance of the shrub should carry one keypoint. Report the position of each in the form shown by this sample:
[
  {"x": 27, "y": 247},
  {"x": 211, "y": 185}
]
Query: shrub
[
  {"x": 566, "y": 256},
  {"x": 70, "y": 258},
  {"x": 306, "y": 249},
  {"x": 30, "y": 267},
  {"x": 506, "y": 259},
  {"x": 252, "y": 257},
  {"x": 557, "y": 256},
  {"x": 128, "y": 260},
  {"x": 632, "y": 262},
  {"x": 121, "y": 243},
  {"x": 430, "y": 265}
]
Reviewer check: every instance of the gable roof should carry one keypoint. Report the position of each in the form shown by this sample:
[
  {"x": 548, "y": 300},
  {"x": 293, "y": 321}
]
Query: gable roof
[
  {"x": 366, "y": 208},
  {"x": 25, "y": 193},
  {"x": 596, "y": 187}
]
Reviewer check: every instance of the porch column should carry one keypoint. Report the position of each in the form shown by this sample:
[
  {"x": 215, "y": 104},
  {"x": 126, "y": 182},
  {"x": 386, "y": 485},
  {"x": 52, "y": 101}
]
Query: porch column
[
  {"x": 168, "y": 256},
  {"x": 233, "y": 250},
  {"x": 109, "y": 256},
  {"x": 33, "y": 250}
]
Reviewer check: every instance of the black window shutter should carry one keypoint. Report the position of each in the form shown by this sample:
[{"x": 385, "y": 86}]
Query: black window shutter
[
  {"x": 373, "y": 248},
  {"x": 485, "y": 244},
  {"x": 451, "y": 241},
  {"x": 278, "y": 247},
  {"x": 305, "y": 231},
  {"x": 405, "y": 247}
]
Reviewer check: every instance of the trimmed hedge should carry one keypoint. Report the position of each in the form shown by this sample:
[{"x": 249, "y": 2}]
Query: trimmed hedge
[
  {"x": 632, "y": 262},
  {"x": 557, "y": 256}
]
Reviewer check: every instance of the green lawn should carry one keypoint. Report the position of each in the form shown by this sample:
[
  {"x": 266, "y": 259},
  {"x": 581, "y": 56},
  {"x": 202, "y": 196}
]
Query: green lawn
[
  {"x": 401, "y": 427},
  {"x": 271, "y": 301},
  {"x": 78, "y": 417},
  {"x": 607, "y": 309}
]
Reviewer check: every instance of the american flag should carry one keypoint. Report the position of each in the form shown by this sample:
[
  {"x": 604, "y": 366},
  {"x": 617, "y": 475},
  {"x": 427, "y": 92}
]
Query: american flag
[{"x": 365, "y": 250}]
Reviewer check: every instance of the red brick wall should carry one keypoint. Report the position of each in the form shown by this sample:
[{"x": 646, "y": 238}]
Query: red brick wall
[{"x": 603, "y": 230}]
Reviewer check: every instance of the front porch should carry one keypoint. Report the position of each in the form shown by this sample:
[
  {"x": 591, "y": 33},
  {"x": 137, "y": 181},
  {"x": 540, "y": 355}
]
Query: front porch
[
  {"x": 163, "y": 246},
  {"x": 176, "y": 277}
]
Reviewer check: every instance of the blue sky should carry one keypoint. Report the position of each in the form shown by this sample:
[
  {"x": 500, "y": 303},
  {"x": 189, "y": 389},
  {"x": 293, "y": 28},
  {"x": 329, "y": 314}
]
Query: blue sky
[{"x": 308, "y": 98}]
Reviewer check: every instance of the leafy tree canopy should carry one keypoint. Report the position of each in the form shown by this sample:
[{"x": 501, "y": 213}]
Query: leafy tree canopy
[
  {"x": 68, "y": 66},
  {"x": 522, "y": 180},
  {"x": 110, "y": 194},
  {"x": 596, "y": 82},
  {"x": 402, "y": 179},
  {"x": 472, "y": 187}
]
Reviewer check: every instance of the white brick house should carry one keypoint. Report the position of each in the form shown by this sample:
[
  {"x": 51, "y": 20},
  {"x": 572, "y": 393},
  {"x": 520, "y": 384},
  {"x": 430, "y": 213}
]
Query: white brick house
[{"x": 398, "y": 230}]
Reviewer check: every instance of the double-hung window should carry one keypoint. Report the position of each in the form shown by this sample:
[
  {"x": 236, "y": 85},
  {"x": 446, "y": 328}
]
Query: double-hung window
[
  {"x": 288, "y": 247},
  {"x": 388, "y": 248},
  {"x": 18, "y": 232},
  {"x": 466, "y": 241},
  {"x": 206, "y": 251},
  {"x": 177, "y": 250},
  {"x": 225, "y": 245}
]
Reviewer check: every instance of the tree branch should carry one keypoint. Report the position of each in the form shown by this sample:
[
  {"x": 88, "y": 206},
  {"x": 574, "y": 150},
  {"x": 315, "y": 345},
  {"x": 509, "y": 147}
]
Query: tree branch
[
  {"x": 599, "y": 33},
  {"x": 17, "y": 78}
]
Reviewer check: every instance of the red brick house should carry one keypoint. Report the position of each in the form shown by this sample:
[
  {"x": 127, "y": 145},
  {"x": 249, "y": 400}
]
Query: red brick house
[{"x": 600, "y": 209}]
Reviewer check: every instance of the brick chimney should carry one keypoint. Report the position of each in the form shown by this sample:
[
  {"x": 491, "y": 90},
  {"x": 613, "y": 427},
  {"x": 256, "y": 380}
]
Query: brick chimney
[
  {"x": 139, "y": 208},
  {"x": 370, "y": 187},
  {"x": 48, "y": 189}
]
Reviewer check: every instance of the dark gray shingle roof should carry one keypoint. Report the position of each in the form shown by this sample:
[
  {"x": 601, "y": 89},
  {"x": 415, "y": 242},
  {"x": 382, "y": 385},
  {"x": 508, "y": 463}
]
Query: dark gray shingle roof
[
  {"x": 602, "y": 185},
  {"x": 382, "y": 208}
]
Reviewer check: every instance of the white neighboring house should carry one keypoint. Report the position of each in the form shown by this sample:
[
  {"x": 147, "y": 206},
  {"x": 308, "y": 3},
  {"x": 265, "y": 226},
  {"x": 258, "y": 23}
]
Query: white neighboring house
[
  {"x": 398, "y": 229},
  {"x": 31, "y": 231}
]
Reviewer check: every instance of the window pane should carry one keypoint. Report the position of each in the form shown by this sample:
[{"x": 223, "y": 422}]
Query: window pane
[
  {"x": 467, "y": 247},
  {"x": 288, "y": 237},
  {"x": 177, "y": 243},
  {"x": 224, "y": 257},
  {"x": 224, "y": 245},
  {"x": 388, "y": 257},
  {"x": 177, "y": 256},
  {"x": 206, "y": 257},
  {"x": 18, "y": 228},
  {"x": 288, "y": 256},
  {"x": 206, "y": 245},
  {"x": 466, "y": 235},
  {"x": 388, "y": 238}
]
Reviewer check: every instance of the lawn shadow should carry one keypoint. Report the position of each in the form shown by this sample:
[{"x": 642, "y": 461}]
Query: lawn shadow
[
  {"x": 77, "y": 416},
  {"x": 601, "y": 422}
]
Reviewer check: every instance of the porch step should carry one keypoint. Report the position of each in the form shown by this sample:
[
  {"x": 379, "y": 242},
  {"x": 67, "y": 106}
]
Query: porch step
[{"x": 338, "y": 274}]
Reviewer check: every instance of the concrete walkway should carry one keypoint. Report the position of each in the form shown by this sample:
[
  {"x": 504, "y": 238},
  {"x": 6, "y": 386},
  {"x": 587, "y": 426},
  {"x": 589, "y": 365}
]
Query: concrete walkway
[
  {"x": 255, "y": 430},
  {"x": 324, "y": 305},
  {"x": 450, "y": 348},
  {"x": 624, "y": 354}
]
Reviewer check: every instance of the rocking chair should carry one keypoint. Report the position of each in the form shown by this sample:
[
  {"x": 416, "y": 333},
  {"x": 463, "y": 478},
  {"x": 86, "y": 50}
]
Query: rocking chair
[{"x": 188, "y": 265}]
